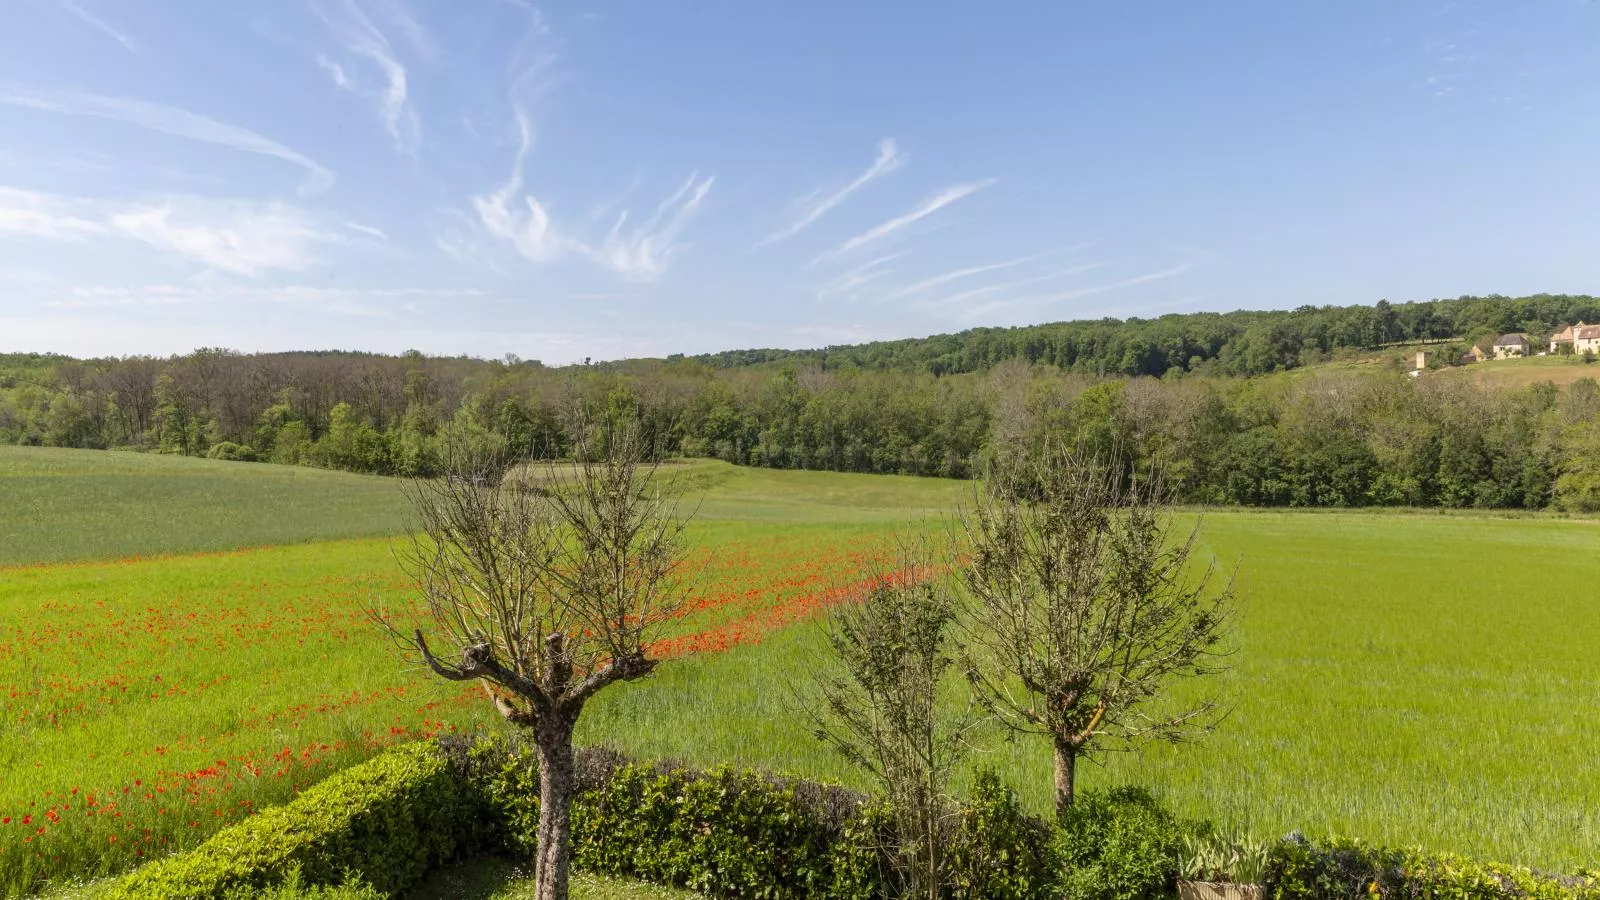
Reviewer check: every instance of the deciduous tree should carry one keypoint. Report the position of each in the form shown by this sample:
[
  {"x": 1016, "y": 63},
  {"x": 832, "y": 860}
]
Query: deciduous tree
[
  {"x": 1086, "y": 610},
  {"x": 885, "y": 708},
  {"x": 546, "y": 586}
]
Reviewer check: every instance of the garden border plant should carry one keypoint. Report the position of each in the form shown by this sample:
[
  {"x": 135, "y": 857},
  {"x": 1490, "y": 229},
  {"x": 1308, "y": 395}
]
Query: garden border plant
[{"x": 380, "y": 826}]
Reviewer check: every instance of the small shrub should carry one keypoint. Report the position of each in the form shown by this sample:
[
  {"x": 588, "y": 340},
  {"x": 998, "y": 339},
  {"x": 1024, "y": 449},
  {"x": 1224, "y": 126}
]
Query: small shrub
[
  {"x": 228, "y": 450},
  {"x": 1001, "y": 853},
  {"x": 1118, "y": 845}
]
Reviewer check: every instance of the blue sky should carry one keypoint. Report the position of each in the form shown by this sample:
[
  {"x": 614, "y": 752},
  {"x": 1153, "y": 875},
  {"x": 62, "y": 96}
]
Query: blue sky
[{"x": 615, "y": 178}]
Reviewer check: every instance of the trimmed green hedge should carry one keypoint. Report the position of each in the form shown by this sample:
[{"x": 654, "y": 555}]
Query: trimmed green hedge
[
  {"x": 388, "y": 821},
  {"x": 724, "y": 833},
  {"x": 377, "y": 828},
  {"x": 746, "y": 834},
  {"x": 1336, "y": 870},
  {"x": 294, "y": 887}
]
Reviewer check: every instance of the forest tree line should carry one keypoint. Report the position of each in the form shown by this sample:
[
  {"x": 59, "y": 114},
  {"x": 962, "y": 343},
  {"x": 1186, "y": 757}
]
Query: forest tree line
[
  {"x": 1236, "y": 343},
  {"x": 1332, "y": 436}
]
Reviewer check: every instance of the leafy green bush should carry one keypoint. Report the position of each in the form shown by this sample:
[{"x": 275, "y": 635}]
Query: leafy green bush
[
  {"x": 1301, "y": 870},
  {"x": 235, "y": 452},
  {"x": 375, "y": 829},
  {"x": 387, "y": 820},
  {"x": 722, "y": 832},
  {"x": 1001, "y": 853},
  {"x": 1117, "y": 845}
]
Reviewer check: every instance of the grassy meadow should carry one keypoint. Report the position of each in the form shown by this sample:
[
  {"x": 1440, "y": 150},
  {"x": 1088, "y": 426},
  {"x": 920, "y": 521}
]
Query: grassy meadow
[
  {"x": 1523, "y": 371},
  {"x": 58, "y": 505},
  {"x": 146, "y": 701},
  {"x": 1407, "y": 678}
]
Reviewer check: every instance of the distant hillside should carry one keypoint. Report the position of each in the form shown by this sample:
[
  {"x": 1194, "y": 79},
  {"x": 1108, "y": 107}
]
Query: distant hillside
[{"x": 1236, "y": 343}]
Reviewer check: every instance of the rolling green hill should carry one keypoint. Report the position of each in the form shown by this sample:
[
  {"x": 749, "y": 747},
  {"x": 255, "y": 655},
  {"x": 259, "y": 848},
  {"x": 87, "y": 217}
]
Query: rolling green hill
[{"x": 58, "y": 505}]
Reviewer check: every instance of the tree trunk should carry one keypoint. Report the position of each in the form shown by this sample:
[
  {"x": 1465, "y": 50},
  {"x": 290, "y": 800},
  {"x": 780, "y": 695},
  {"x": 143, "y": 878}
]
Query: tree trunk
[
  {"x": 1066, "y": 772},
  {"x": 557, "y": 778}
]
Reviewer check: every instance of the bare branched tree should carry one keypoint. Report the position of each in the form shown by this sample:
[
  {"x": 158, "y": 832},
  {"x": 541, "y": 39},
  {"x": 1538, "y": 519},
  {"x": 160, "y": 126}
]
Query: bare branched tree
[
  {"x": 1086, "y": 609},
  {"x": 545, "y": 583},
  {"x": 885, "y": 708}
]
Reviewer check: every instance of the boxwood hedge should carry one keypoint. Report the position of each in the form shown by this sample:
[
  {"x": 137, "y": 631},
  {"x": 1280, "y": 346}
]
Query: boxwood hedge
[{"x": 388, "y": 821}]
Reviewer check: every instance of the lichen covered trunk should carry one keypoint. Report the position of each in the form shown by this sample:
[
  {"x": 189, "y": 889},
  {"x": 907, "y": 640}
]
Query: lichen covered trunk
[{"x": 557, "y": 784}]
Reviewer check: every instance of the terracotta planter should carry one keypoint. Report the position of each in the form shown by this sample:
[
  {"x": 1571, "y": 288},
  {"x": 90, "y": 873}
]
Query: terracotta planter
[{"x": 1219, "y": 890}]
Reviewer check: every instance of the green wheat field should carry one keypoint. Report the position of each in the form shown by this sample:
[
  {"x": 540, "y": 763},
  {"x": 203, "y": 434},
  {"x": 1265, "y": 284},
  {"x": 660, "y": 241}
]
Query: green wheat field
[{"x": 184, "y": 641}]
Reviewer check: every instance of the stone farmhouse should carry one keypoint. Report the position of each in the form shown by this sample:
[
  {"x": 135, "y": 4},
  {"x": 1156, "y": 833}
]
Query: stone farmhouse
[
  {"x": 1582, "y": 337},
  {"x": 1507, "y": 346}
]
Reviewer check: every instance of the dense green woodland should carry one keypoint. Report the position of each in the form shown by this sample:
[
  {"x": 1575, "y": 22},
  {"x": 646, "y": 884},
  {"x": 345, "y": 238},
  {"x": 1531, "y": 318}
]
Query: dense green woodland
[
  {"x": 1236, "y": 343},
  {"x": 1173, "y": 392}
]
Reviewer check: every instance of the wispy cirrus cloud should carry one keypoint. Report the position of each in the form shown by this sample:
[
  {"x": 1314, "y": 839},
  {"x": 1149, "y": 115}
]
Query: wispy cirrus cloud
[
  {"x": 363, "y": 41},
  {"x": 953, "y": 300},
  {"x": 508, "y": 214},
  {"x": 957, "y": 274},
  {"x": 99, "y": 24},
  {"x": 889, "y": 158},
  {"x": 849, "y": 283},
  {"x": 32, "y": 214},
  {"x": 168, "y": 120},
  {"x": 241, "y": 237},
  {"x": 367, "y": 230},
  {"x": 978, "y": 312},
  {"x": 643, "y": 252},
  {"x": 336, "y": 299},
  {"x": 639, "y": 253},
  {"x": 930, "y": 206}
]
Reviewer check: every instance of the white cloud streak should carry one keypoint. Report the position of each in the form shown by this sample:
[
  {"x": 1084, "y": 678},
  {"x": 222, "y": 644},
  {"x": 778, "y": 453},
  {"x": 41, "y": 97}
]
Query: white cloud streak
[
  {"x": 362, "y": 39},
  {"x": 526, "y": 225},
  {"x": 848, "y": 283},
  {"x": 641, "y": 253},
  {"x": 335, "y": 71},
  {"x": 168, "y": 120},
  {"x": 30, "y": 214},
  {"x": 107, "y": 297},
  {"x": 242, "y": 238},
  {"x": 236, "y": 236},
  {"x": 414, "y": 33},
  {"x": 1079, "y": 293},
  {"x": 889, "y": 158},
  {"x": 367, "y": 230},
  {"x": 946, "y": 278},
  {"x": 636, "y": 248},
  {"x": 930, "y": 206},
  {"x": 99, "y": 24},
  {"x": 954, "y": 299}
]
